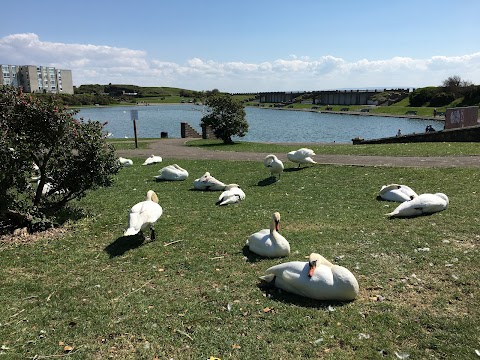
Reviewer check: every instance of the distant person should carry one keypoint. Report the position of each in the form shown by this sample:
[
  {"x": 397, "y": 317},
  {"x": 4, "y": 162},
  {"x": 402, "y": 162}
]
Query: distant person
[
  {"x": 399, "y": 132},
  {"x": 434, "y": 112}
]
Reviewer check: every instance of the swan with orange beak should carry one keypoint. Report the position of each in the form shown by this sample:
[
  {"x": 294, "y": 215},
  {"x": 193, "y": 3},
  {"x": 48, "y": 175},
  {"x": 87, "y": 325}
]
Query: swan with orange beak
[{"x": 317, "y": 279}]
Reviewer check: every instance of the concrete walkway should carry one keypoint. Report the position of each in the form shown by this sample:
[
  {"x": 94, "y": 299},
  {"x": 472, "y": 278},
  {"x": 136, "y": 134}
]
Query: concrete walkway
[{"x": 176, "y": 149}]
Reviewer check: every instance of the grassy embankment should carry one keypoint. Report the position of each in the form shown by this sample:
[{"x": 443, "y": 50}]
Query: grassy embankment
[{"x": 195, "y": 293}]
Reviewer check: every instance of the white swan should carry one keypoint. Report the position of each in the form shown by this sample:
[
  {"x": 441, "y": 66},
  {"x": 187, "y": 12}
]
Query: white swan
[
  {"x": 152, "y": 159},
  {"x": 274, "y": 164},
  {"x": 172, "y": 173},
  {"x": 144, "y": 215},
  {"x": 317, "y": 279},
  {"x": 208, "y": 182},
  {"x": 395, "y": 192},
  {"x": 125, "y": 162},
  {"x": 422, "y": 204},
  {"x": 301, "y": 156},
  {"x": 268, "y": 242},
  {"x": 231, "y": 195}
]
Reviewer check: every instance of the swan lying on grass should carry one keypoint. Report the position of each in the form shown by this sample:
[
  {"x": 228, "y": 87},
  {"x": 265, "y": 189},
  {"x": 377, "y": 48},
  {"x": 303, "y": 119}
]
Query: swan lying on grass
[
  {"x": 231, "y": 195},
  {"x": 172, "y": 173},
  {"x": 268, "y": 242},
  {"x": 208, "y": 183},
  {"x": 317, "y": 279},
  {"x": 152, "y": 159},
  {"x": 422, "y": 204},
  {"x": 396, "y": 192},
  {"x": 144, "y": 215},
  {"x": 125, "y": 162}
]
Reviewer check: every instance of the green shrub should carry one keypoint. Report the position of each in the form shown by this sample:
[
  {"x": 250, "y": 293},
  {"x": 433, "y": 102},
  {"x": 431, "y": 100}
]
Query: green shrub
[{"x": 72, "y": 157}]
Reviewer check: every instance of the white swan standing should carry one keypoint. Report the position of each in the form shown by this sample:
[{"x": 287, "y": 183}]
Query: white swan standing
[
  {"x": 125, "y": 162},
  {"x": 301, "y": 156},
  {"x": 208, "y": 183},
  {"x": 268, "y": 242},
  {"x": 231, "y": 195},
  {"x": 274, "y": 164},
  {"x": 172, "y": 173},
  {"x": 144, "y": 215},
  {"x": 152, "y": 159},
  {"x": 396, "y": 192},
  {"x": 422, "y": 204},
  {"x": 317, "y": 279}
]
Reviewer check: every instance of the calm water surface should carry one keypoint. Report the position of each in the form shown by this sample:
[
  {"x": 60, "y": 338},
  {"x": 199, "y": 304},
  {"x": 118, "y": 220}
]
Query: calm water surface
[{"x": 265, "y": 125}]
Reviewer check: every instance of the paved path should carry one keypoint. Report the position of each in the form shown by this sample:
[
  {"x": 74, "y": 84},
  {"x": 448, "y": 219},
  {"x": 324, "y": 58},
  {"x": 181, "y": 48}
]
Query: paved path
[{"x": 176, "y": 149}]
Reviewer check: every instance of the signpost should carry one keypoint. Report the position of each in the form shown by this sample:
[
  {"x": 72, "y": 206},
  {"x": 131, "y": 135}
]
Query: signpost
[{"x": 134, "y": 117}]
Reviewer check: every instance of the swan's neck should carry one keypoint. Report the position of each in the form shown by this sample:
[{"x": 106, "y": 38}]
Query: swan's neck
[{"x": 273, "y": 231}]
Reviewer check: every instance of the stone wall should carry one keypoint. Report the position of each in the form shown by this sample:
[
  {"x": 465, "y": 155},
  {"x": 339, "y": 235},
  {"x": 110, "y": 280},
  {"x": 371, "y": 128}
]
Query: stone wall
[
  {"x": 466, "y": 134},
  {"x": 187, "y": 131}
]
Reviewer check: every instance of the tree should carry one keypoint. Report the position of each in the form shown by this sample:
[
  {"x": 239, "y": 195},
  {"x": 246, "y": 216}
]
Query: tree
[
  {"x": 225, "y": 116},
  {"x": 454, "y": 84},
  {"x": 71, "y": 157}
]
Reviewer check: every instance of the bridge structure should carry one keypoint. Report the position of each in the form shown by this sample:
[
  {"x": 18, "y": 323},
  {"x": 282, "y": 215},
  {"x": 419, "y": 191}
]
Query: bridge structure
[{"x": 329, "y": 97}]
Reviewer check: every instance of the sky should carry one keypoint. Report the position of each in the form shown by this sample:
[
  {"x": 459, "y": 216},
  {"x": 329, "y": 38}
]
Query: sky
[{"x": 249, "y": 45}]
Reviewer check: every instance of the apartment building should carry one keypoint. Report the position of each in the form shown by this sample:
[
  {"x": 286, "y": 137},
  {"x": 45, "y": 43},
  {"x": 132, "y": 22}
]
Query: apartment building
[{"x": 37, "y": 79}]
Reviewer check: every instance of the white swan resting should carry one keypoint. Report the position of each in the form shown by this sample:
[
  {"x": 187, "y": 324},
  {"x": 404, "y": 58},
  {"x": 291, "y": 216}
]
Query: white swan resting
[
  {"x": 144, "y": 215},
  {"x": 317, "y": 279},
  {"x": 172, "y": 173},
  {"x": 422, "y": 204},
  {"x": 274, "y": 164},
  {"x": 396, "y": 192},
  {"x": 231, "y": 195},
  {"x": 268, "y": 242},
  {"x": 208, "y": 183},
  {"x": 125, "y": 162},
  {"x": 301, "y": 156},
  {"x": 152, "y": 159}
]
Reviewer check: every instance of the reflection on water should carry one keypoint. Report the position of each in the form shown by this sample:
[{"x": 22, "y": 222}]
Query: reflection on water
[{"x": 265, "y": 125}]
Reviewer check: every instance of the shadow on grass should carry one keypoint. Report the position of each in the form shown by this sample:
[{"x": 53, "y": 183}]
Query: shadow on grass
[
  {"x": 293, "y": 169},
  {"x": 251, "y": 256},
  {"x": 268, "y": 181},
  {"x": 282, "y": 296},
  {"x": 124, "y": 244}
]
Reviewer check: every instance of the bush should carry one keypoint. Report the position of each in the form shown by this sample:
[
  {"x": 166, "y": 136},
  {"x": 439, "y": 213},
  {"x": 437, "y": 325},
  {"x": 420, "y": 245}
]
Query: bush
[
  {"x": 71, "y": 157},
  {"x": 226, "y": 117},
  {"x": 441, "y": 99},
  {"x": 422, "y": 96}
]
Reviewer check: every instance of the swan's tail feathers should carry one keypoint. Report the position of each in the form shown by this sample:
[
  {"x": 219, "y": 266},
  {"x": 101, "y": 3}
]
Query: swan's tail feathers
[
  {"x": 130, "y": 231},
  {"x": 268, "y": 277}
]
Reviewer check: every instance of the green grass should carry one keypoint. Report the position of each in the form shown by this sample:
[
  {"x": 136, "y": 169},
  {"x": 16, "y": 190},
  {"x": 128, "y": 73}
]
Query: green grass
[
  {"x": 193, "y": 293},
  {"x": 129, "y": 144},
  {"x": 407, "y": 149}
]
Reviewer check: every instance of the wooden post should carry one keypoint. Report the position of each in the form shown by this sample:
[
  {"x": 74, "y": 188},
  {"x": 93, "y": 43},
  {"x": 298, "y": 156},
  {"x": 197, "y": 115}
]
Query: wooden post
[
  {"x": 135, "y": 132},
  {"x": 134, "y": 117}
]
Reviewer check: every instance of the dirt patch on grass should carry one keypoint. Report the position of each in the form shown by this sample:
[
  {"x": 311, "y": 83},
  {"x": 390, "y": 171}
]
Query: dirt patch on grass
[{"x": 22, "y": 236}]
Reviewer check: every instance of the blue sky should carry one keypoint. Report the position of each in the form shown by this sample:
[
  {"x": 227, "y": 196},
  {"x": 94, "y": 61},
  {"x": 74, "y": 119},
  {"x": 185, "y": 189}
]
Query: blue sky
[{"x": 248, "y": 46}]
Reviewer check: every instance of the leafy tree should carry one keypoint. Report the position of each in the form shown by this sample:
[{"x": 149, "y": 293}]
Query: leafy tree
[
  {"x": 455, "y": 85},
  {"x": 71, "y": 157},
  {"x": 225, "y": 116}
]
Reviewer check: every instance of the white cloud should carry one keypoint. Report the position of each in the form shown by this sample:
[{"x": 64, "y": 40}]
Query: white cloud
[{"x": 98, "y": 64}]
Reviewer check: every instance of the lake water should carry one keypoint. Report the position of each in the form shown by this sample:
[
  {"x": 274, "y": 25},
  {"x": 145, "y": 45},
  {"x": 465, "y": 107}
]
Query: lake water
[{"x": 265, "y": 125}]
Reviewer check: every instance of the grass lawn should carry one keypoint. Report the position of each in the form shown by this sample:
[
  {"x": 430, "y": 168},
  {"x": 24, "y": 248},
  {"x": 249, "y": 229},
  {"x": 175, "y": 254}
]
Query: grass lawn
[
  {"x": 407, "y": 149},
  {"x": 194, "y": 292}
]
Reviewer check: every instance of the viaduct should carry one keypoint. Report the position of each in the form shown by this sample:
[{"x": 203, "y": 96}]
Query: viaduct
[{"x": 328, "y": 97}]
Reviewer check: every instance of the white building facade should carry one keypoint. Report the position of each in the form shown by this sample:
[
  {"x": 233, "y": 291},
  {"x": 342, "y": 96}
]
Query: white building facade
[{"x": 37, "y": 79}]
